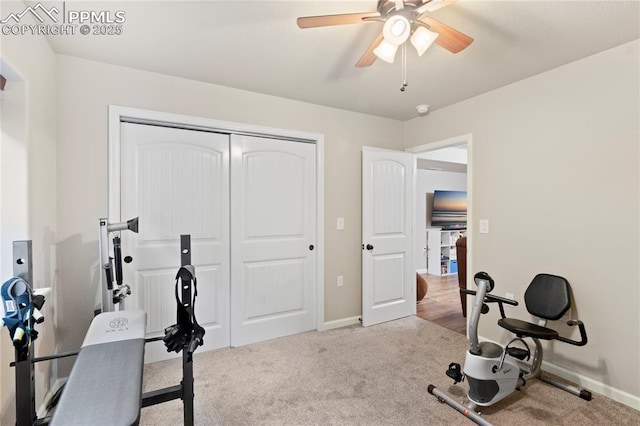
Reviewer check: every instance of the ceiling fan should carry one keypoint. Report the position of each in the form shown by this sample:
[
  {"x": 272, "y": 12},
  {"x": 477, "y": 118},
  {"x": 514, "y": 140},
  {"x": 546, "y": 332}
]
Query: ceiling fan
[{"x": 403, "y": 20}]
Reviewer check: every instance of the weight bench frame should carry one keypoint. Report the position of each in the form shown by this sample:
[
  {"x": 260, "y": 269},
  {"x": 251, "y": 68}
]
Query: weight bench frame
[{"x": 24, "y": 368}]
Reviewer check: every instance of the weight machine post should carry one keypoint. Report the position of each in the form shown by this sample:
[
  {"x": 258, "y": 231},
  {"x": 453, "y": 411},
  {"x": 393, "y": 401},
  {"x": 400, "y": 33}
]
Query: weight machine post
[
  {"x": 187, "y": 359},
  {"x": 185, "y": 389},
  {"x": 106, "y": 267},
  {"x": 25, "y": 376}
]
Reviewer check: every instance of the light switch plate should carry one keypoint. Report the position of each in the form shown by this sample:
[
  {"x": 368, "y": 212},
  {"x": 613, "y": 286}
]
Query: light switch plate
[
  {"x": 340, "y": 224},
  {"x": 484, "y": 226}
]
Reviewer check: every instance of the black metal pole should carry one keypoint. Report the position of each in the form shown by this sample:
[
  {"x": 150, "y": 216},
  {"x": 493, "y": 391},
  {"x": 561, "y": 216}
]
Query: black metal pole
[
  {"x": 25, "y": 377},
  {"x": 25, "y": 391},
  {"x": 187, "y": 360}
]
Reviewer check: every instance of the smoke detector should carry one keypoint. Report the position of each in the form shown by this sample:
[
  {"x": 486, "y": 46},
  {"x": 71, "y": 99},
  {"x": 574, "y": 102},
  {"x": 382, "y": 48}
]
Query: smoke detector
[{"x": 422, "y": 109}]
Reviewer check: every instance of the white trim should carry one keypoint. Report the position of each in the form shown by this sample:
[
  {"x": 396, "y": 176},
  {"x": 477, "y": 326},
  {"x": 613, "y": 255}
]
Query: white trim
[
  {"x": 120, "y": 113},
  {"x": 445, "y": 143},
  {"x": 592, "y": 385},
  {"x": 414, "y": 231},
  {"x": 422, "y": 271},
  {"x": 320, "y": 232},
  {"x": 340, "y": 323}
]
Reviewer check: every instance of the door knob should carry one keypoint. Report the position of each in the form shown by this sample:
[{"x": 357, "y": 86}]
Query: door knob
[
  {"x": 311, "y": 247},
  {"x": 369, "y": 247}
]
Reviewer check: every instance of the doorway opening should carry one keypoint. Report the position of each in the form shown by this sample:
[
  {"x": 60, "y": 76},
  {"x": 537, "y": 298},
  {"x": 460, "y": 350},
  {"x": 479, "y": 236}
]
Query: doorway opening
[{"x": 442, "y": 166}]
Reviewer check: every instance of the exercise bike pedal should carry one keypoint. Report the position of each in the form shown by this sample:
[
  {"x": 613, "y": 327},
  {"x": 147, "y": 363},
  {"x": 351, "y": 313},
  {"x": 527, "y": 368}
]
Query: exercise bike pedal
[
  {"x": 518, "y": 353},
  {"x": 455, "y": 372},
  {"x": 521, "y": 381}
]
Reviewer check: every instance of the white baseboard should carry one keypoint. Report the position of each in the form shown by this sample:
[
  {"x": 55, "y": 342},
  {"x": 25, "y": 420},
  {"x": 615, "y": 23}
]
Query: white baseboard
[
  {"x": 422, "y": 271},
  {"x": 593, "y": 385},
  {"x": 340, "y": 323}
]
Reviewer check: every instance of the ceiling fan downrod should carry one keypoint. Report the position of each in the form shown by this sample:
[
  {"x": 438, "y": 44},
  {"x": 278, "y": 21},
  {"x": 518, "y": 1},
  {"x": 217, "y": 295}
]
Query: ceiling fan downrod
[{"x": 404, "y": 85}]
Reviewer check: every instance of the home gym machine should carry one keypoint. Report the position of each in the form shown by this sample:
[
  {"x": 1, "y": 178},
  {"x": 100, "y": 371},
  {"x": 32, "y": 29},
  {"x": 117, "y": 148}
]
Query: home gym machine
[
  {"x": 112, "y": 353},
  {"x": 494, "y": 372},
  {"x": 112, "y": 296}
]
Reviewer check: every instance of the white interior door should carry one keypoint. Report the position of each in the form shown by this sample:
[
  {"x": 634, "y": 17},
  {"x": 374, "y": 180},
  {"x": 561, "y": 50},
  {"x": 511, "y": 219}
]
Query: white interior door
[
  {"x": 177, "y": 182},
  {"x": 273, "y": 223},
  {"x": 388, "y": 277}
]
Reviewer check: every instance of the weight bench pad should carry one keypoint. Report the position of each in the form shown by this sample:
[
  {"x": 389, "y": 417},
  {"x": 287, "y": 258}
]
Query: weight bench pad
[{"x": 105, "y": 384}]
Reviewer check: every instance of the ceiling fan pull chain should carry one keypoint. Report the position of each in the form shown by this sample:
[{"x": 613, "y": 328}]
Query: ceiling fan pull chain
[{"x": 404, "y": 68}]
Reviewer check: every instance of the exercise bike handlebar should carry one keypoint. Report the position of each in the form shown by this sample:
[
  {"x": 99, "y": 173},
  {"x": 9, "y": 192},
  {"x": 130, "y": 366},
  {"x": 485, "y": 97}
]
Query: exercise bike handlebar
[
  {"x": 490, "y": 298},
  {"x": 583, "y": 334}
]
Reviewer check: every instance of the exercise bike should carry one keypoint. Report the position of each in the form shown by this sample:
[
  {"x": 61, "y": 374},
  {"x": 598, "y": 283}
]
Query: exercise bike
[{"x": 494, "y": 372}]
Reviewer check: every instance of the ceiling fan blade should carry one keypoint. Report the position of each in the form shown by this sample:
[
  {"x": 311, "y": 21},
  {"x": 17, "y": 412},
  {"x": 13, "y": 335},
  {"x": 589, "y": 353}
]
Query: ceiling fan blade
[
  {"x": 328, "y": 20},
  {"x": 433, "y": 5},
  {"x": 369, "y": 57},
  {"x": 451, "y": 39}
]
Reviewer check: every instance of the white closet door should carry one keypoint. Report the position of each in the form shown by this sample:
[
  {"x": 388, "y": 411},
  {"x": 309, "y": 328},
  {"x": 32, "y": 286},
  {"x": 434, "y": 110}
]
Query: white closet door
[
  {"x": 177, "y": 182},
  {"x": 273, "y": 222}
]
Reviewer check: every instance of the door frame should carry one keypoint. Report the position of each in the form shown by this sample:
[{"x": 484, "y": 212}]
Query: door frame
[
  {"x": 118, "y": 114},
  {"x": 447, "y": 143}
]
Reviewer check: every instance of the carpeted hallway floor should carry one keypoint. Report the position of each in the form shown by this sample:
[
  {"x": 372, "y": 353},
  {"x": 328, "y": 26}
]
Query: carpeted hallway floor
[{"x": 356, "y": 376}]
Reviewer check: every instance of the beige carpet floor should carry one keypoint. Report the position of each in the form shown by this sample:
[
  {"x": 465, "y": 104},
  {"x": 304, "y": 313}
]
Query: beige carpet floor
[{"x": 357, "y": 376}]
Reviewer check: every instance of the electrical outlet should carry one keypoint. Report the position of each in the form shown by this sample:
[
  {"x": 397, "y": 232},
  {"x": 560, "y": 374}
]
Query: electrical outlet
[{"x": 340, "y": 281}]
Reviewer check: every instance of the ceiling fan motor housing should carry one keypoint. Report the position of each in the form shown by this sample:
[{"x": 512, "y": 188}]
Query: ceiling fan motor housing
[{"x": 386, "y": 6}]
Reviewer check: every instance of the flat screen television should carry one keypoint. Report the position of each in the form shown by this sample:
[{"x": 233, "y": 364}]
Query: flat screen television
[{"x": 449, "y": 209}]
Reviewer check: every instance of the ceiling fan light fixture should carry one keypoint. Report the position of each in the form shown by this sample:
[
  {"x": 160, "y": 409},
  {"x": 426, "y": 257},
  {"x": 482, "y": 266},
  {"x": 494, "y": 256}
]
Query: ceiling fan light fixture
[
  {"x": 422, "y": 39},
  {"x": 396, "y": 30},
  {"x": 386, "y": 51}
]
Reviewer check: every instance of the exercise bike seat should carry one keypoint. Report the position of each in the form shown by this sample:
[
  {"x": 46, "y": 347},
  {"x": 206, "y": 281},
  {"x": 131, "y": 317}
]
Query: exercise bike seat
[
  {"x": 547, "y": 297},
  {"x": 526, "y": 329}
]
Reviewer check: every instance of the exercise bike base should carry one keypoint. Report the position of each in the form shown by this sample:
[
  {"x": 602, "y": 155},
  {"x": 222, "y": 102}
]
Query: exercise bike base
[
  {"x": 461, "y": 408},
  {"x": 581, "y": 393}
]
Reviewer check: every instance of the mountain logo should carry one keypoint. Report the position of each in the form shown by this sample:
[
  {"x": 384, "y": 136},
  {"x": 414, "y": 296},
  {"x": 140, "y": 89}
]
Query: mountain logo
[{"x": 37, "y": 11}]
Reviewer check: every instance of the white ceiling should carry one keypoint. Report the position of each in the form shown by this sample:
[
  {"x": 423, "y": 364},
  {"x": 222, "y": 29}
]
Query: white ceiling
[{"x": 257, "y": 46}]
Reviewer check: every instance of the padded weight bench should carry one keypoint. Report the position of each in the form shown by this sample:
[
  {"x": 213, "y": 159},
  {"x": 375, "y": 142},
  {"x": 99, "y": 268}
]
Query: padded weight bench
[{"x": 105, "y": 384}]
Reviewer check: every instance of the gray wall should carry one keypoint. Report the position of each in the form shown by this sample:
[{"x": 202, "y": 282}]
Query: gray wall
[{"x": 555, "y": 163}]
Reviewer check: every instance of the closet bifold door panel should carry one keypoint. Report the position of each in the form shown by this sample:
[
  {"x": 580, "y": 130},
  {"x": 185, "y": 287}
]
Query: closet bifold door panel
[
  {"x": 177, "y": 182},
  {"x": 273, "y": 223}
]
